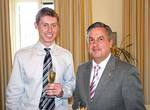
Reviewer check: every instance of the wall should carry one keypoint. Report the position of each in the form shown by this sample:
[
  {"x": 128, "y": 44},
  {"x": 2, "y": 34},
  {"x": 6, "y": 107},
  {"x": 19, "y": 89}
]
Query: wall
[{"x": 109, "y": 12}]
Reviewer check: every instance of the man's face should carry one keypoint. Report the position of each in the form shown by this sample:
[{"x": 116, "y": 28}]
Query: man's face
[
  {"x": 48, "y": 29},
  {"x": 99, "y": 44}
]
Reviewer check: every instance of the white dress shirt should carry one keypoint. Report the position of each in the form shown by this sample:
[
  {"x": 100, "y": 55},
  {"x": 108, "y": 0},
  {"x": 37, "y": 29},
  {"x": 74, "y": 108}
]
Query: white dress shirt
[
  {"x": 102, "y": 66},
  {"x": 25, "y": 85}
]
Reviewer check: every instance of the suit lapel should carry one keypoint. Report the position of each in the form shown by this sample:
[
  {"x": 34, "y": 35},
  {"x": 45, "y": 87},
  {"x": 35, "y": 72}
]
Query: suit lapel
[
  {"x": 87, "y": 80},
  {"x": 106, "y": 77}
]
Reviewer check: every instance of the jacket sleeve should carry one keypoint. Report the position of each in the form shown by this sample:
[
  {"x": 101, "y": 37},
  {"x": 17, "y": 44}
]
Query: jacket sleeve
[
  {"x": 77, "y": 101},
  {"x": 132, "y": 90}
]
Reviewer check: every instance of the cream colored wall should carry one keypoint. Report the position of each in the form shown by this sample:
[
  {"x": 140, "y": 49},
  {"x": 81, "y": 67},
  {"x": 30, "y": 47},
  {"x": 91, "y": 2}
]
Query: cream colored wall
[{"x": 109, "y": 12}]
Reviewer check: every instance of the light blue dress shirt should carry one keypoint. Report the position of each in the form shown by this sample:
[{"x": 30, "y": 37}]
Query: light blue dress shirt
[{"x": 25, "y": 85}]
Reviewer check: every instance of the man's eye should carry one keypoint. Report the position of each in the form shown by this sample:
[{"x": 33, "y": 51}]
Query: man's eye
[
  {"x": 54, "y": 25},
  {"x": 91, "y": 39},
  {"x": 45, "y": 25},
  {"x": 100, "y": 38}
]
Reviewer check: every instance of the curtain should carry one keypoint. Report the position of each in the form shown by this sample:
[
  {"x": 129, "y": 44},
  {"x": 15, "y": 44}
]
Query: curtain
[
  {"x": 5, "y": 50},
  {"x": 12, "y": 13},
  {"x": 75, "y": 17},
  {"x": 134, "y": 29},
  {"x": 147, "y": 54}
]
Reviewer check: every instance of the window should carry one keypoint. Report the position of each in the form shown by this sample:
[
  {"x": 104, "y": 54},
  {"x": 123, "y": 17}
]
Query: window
[{"x": 25, "y": 16}]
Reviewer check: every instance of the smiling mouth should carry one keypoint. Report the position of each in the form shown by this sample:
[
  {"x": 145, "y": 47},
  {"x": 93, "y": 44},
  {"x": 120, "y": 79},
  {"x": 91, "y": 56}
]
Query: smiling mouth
[
  {"x": 49, "y": 36},
  {"x": 96, "y": 49}
]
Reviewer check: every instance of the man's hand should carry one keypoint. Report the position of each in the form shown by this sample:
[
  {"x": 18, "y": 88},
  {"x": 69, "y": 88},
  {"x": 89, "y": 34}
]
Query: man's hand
[{"x": 54, "y": 89}]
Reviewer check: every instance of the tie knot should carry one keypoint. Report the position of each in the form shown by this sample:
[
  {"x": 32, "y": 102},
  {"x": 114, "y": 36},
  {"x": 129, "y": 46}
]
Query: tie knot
[
  {"x": 97, "y": 67},
  {"x": 47, "y": 49}
]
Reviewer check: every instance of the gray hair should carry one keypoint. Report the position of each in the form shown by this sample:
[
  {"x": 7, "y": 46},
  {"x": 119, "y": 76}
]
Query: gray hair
[{"x": 100, "y": 25}]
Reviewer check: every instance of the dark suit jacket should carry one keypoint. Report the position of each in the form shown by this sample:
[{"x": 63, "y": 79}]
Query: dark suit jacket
[{"x": 118, "y": 89}]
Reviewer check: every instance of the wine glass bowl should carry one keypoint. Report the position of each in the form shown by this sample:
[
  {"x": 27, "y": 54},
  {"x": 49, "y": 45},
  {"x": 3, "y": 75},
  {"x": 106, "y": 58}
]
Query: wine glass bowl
[
  {"x": 51, "y": 76},
  {"x": 51, "y": 79}
]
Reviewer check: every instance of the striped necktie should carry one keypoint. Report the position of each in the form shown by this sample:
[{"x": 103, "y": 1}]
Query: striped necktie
[
  {"x": 93, "y": 82},
  {"x": 46, "y": 103}
]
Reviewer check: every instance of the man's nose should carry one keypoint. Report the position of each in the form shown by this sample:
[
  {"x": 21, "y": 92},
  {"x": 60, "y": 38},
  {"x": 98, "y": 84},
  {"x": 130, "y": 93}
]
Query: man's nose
[{"x": 50, "y": 28}]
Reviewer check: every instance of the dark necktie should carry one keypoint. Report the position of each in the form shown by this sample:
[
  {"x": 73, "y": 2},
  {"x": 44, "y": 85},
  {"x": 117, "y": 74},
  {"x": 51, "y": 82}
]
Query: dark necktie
[{"x": 46, "y": 103}]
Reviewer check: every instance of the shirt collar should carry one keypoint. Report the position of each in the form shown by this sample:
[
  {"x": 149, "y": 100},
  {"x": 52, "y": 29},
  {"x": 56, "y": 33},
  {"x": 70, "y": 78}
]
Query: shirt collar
[
  {"x": 40, "y": 47},
  {"x": 43, "y": 46},
  {"x": 103, "y": 63}
]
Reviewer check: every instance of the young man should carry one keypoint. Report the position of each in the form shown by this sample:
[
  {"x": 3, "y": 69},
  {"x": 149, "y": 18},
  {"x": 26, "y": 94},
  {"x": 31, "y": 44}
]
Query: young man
[
  {"x": 28, "y": 88},
  {"x": 106, "y": 82}
]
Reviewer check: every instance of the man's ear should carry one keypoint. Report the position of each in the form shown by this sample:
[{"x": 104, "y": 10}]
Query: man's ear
[
  {"x": 35, "y": 25},
  {"x": 111, "y": 43}
]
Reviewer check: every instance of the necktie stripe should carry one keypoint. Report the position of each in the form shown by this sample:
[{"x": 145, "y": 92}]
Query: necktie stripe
[
  {"x": 47, "y": 57},
  {"x": 52, "y": 105},
  {"x": 45, "y": 83},
  {"x": 47, "y": 64},
  {"x": 93, "y": 82},
  {"x": 46, "y": 68},
  {"x": 46, "y": 103},
  {"x": 45, "y": 73}
]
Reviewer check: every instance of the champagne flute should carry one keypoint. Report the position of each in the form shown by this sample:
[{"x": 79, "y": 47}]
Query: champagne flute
[{"x": 52, "y": 75}]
